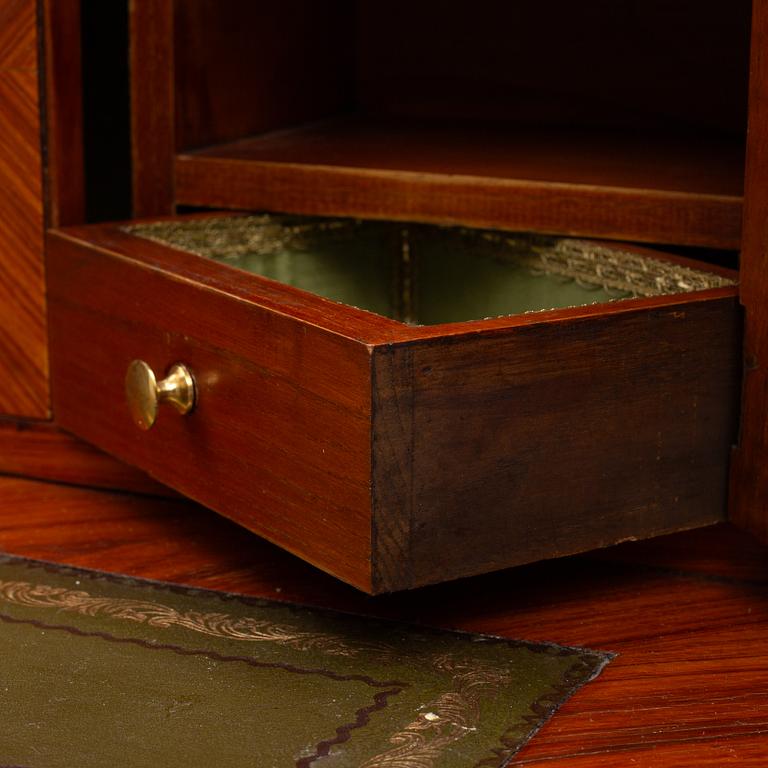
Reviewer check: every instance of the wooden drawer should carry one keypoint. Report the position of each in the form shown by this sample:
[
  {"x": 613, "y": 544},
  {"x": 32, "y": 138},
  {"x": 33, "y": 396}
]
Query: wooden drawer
[{"x": 396, "y": 455}]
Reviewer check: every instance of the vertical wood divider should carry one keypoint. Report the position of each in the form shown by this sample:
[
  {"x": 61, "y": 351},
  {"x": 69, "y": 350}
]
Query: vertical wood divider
[
  {"x": 152, "y": 106},
  {"x": 749, "y": 478}
]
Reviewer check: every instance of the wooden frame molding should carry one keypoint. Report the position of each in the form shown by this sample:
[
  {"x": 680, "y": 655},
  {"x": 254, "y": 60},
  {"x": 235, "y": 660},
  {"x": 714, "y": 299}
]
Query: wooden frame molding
[{"x": 749, "y": 487}]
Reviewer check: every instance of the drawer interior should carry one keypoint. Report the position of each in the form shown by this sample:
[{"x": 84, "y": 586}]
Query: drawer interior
[{"x": 427, "y": 275}]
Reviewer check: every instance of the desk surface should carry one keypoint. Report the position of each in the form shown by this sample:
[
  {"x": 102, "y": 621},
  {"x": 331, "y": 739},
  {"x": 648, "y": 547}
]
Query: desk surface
[{"x": 688, "y": 615}]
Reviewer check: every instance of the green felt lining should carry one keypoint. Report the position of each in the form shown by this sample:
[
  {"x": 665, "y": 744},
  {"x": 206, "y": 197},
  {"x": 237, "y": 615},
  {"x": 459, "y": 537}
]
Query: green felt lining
[{"x": 424, "y": 275}]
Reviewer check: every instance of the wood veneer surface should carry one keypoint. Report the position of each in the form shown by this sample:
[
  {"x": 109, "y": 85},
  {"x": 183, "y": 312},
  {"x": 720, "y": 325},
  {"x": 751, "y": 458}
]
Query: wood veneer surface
[
  {"x": 750, "y": 476},
  {"x": 359, "y": 443},
  {"x": 688, "y": 615},
  {"x": 23, "y": 356},
  {"x": 280, "y": 437},
  {"x": 242, "y": 67},
  {"x": 676, "y": 163},
  {"x": 63, "y": 110},
  {"x": 152, "y": 110},
  {"x": 39, "y": 450},
  {"x": 644, "y": 187}
]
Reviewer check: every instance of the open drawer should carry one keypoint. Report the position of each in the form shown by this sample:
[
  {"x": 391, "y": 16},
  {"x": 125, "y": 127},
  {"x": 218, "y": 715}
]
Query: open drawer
[{"x": 439, "y": 427}]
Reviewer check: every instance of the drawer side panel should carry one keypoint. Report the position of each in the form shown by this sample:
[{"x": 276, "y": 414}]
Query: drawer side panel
[{"x": 551, "y": 439}]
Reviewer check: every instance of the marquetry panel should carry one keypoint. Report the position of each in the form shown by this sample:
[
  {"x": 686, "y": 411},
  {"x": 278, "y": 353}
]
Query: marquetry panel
[
  {"x": 18, "y": 44},
  {"x": 23, "y": 360}
]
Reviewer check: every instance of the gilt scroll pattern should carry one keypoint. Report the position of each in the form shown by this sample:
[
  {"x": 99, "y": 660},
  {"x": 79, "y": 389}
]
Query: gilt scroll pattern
[
  {"x": 621, "y": 272},
  {"x": 446, "y": 720},
  {"x": 162, "y": 616},
  {"x": 443, "y": 722}
]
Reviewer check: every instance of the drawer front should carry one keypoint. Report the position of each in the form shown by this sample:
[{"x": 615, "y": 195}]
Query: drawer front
[
  {"x": 392, "y": 455},
  {"x": 280, "y": 435}
]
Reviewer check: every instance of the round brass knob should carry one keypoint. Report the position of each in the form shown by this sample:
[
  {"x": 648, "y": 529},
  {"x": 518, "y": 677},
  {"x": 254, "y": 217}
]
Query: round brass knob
[{"x": 145, "y": 393}]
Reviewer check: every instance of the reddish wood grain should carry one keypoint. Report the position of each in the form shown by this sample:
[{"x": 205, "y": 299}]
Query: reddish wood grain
[
  {"x": 343, "y": 320},
  {"x": 687, "y": 688},
  {"x": 697, "y": 166},
  {"x": 40, "y": 450},
  {"x": 348, "y": 321},
  {"x": 152, "y": 106},
  {"x": 280, "y": 436},
  {"x": 18, "y": 20},
  {"x": 750, "y": 477},
  {"x": 243, "y": 67},
  {"x": 23, "y": 354},
  {"x": 360, "y": 442},
  {"x": 64, "y": 170},
  {"x": 725, "y": 556},
  {"x": 651, "y": 189}
]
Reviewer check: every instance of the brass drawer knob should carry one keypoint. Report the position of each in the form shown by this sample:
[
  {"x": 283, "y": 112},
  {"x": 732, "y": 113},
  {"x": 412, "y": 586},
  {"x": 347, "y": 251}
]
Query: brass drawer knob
[{"x": 145, "y": 393}]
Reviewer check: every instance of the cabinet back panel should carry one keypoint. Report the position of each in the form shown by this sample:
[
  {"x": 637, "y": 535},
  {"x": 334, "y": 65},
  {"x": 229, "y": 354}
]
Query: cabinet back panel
[
  {"x": 244, "y": 67},
  {"x": 634, "y": 64}
]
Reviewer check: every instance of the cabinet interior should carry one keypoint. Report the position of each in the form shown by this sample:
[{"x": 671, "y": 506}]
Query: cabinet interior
[
  {"x": 638, "y": 107},
  {"x": 462, "y": 126}
]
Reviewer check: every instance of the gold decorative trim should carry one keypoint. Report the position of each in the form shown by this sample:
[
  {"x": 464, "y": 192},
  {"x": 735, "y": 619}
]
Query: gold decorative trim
[
  {"x": 441, "y": 723},
  {"x": 622, "y": 273},
  {"x": 163, "y": 616},
  {"x": 230, "y": 238},
  {"x": 447, "y": 719}
]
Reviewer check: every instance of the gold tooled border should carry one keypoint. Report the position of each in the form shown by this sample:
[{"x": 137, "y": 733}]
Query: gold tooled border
[{"x": 448, "y": 718}]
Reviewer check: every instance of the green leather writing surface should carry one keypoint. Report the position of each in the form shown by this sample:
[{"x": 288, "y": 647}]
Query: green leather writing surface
[{"x": 99, "y": 670}]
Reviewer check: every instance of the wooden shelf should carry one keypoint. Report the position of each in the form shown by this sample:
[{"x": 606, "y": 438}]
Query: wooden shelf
[{"x": 683, "y": 190}]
